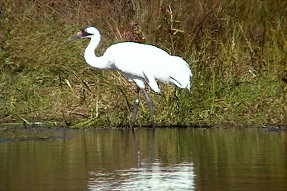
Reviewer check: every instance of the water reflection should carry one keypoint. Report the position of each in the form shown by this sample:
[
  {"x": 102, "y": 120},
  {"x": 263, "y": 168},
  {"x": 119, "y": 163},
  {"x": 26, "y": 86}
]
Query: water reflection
[
  {"x": 153, "y": 177},
  {"x": 149, "y": 173},
  {"x": 161, "y": 159}
]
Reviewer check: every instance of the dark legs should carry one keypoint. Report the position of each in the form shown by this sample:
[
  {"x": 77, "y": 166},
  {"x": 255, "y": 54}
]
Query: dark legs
[
  {"x": 136, "y": 106},
  {"x": 150, "y": 106}
]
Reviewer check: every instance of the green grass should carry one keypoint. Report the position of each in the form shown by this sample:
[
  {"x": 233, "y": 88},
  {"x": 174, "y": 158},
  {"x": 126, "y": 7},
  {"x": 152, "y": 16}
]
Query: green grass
[{"x": 236, "y": 49}]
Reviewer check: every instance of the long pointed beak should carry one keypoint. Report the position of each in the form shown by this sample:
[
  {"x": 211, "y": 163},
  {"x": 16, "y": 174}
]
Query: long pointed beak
[
  {"x": 78, "y": 35},
  {"x": 73, "y": 37}
]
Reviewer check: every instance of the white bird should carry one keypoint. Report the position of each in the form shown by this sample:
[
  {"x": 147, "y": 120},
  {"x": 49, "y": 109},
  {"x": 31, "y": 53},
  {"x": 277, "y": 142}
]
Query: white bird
[{"x": 141, "y": 63}]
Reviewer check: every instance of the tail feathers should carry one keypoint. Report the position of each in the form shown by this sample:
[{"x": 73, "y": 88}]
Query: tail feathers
[{"x": 180, "y": 73}]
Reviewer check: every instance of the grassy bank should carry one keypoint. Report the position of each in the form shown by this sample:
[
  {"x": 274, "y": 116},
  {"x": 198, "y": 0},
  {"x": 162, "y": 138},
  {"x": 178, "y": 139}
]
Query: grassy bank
[{"x": 237, "y": 51}]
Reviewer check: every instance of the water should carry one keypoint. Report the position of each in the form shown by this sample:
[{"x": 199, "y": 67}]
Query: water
[{"x": 160, "y": 159}]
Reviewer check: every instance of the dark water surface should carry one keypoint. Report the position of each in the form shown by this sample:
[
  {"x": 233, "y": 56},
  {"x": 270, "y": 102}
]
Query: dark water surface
[{"x": 146, "y": 159}]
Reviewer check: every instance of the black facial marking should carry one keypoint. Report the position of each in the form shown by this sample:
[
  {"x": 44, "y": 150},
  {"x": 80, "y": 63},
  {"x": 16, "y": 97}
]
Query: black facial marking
[{"x": 85, "y": 33}]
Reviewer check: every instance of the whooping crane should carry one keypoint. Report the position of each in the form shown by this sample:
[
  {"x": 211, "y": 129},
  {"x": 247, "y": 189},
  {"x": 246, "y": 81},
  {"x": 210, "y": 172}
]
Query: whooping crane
[{"x": 141, "y": 63}]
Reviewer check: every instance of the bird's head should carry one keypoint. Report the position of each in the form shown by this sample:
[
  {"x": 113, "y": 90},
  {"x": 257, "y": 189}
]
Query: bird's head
[{"x": 87, "y": 32}]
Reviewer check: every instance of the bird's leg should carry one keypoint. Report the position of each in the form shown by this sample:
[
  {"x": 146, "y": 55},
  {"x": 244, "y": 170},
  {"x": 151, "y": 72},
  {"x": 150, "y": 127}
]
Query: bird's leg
[
  {"x": 136, "y": 106},
  {"x": 150, "y": 106}
]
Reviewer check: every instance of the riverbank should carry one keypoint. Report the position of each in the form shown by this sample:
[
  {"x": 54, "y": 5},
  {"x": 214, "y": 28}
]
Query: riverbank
[{"x": 237, "y": 52}]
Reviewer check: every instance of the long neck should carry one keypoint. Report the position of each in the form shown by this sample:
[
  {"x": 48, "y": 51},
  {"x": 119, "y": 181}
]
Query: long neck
[{"x": 91, "y": 58}]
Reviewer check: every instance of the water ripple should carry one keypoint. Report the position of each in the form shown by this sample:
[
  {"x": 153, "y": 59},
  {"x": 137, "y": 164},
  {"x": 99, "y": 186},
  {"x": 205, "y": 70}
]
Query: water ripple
[{"x": 153, "y": 177}]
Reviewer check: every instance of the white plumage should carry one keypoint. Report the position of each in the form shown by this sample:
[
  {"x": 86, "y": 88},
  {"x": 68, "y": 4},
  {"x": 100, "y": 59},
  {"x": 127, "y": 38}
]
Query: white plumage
[{"x": 141, "y": 63}]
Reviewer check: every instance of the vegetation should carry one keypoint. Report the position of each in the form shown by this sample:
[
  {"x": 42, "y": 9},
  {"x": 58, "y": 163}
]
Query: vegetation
[{"x": 236, "y": 49}]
